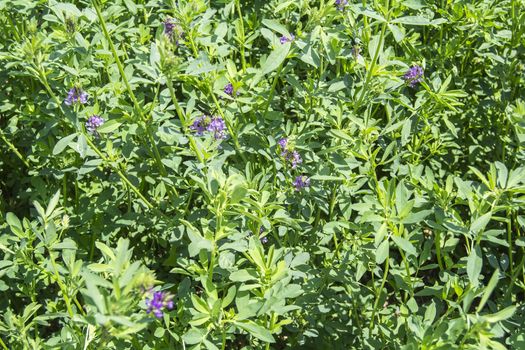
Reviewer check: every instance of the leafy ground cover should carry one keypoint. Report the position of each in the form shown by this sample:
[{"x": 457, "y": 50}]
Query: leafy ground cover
[{"x": 276, "y": 174}]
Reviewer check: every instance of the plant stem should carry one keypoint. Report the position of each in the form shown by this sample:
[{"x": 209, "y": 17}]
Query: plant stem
[
  {"x": 182, "y": 119},
  {"x": 242, "y": 38},
  {"x": 14, "y": 149},
  {"x": 385, "y": 275},
  {"x": 136, "y": 105},
  {"x": 61, "y": 285},
  {"x": 119, "y": 173},
  {"x": 437, "y": 242},
  {"x": 374, "y": 59},
  {"x": 3, "y": 344},
  {"x": 272, "y": 89}
]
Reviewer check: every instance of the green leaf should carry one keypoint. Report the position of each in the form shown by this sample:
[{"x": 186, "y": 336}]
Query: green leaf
[
  {"x": 474, "y": 264},
  {"x": 382, "y": 252},
  {"x": 52, "y": 204},
  {"x": 255, "y": 330},
  {"x": 243, "y": 275},
  {"x": 488, "y": 290},
  {"x": 501, "y": 315},
  {"x": 405, "y": 245},
  {"x": 108, "y": 127},
  {"x": 276, "y": 26},
  {"x": 276, "y": 57},
  {"x": 63, "y": 143},
  {"x": 480, "y": 223},
  {"x": 412, "y": 20}
]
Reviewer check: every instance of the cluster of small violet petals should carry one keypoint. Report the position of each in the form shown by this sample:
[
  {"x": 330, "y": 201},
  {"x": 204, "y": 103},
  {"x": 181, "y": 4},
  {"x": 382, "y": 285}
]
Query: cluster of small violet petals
[
  {"x": 93, "y": 123},
  {"x": 158, "y": 302},
  {"x": 284, "y": 39},
  {"x": 413, "y": 76},
  {"x": 294, "y": 157},
  {"x": 199, "y": 125},
  {"x": 283, "y": 143},
  {"x": 301, "y": 182},
  {"x": 217, "y": 126},
  {"x": 228, "y": 89},
  {"x": 172, "y": 30},
  {"x": 76, "y": 95},
  {"x": 341, "y": 4}
]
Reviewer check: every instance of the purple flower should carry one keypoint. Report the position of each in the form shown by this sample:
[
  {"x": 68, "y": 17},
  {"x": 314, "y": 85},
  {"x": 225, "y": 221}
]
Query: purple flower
[
  {"x": 264, "y": 240},
  {"x": 76, "y": 95},
  {"x": 296, "y": 159},
  {"x": 301, "y": 182},
  {"x": 341, "y": 4},
  {"x": 283, "y": 142},
  {"x": 199, "y": 125},
  {"x": 228, "y": 89},
  {"x": 284, "y": 39},
  {"x": 413, "y": 76},
  {"x": 93, "y": 123},
  {"x": 172, "y": 30},
  {"x": 158, "y": 302},
  {"x": 217, "y": 126}
]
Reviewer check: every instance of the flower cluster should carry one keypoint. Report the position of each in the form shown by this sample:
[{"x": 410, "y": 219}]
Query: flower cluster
[
  {"x": 290, "y": 155},
  {"x": 76, "y": 95},
  {"x": 158, "y": 302},
  {"x": 413, "y": 76},
  {"x": 341, "y": 4},
  {"x": 284, "y": 39},
  {"x": 301, "y": 182},
  {"x": 229, "y": 90},
  {"x": 93, "y": 123},
  {"x": 173, "y": 30},
  {"x": 215, "y": 126}
]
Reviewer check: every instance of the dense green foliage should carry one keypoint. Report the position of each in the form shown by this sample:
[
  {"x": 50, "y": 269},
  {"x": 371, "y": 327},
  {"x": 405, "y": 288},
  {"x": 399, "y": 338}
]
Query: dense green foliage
[{"x": 359, "y": 185}]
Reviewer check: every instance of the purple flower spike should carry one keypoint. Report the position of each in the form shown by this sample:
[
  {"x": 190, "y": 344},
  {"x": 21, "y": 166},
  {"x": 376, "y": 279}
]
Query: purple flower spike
[
  {"x": 296, "y": 159},
  {"x": 283, "y": 143},
  {"x": 341, "y": 4},
  {"x": 217, "y": 126},
  {"x": 158, "y": 302},
  {"x": 199, "y": 125},
  {"x": 173, "y": 30},
  {"x": 93, "y": 123},
  {"x": 301, "y": 182},
  {"x": 413, "y": 76},
  {"x": 228, "y": 89},
  {"x": 76, "y": 95},
  {"x": 284, "y": 39}
]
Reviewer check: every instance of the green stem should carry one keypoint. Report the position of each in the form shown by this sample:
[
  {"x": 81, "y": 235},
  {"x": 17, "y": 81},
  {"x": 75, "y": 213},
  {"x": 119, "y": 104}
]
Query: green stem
[
  {"x": 138, "y": 109},
  {"x": 509, "y": 241},
  {"x": 3, "y": 344},
  {"x": 385, "y": 275},
  {"x": 437, "y": 242},
  {"x": 13, "y": 148},
  {"x": 272, "y": 89},
  {"x": 61, "y": 285},
  {"x": 228, "y": 124},
  {"x": 242, "y": 38},
  {"x": 182, "y": 119},
  {"x": 374, "y": 59},
  {"x": 119, "y": 173}
]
